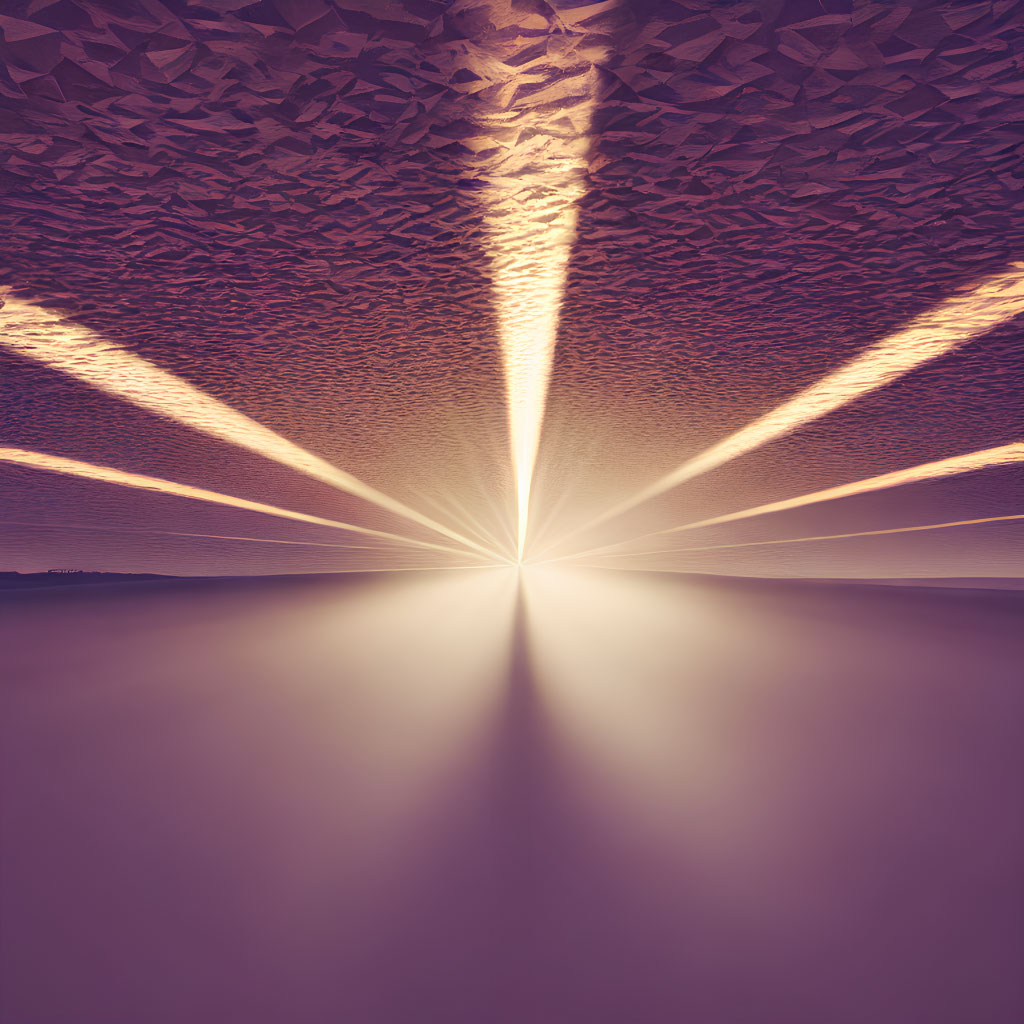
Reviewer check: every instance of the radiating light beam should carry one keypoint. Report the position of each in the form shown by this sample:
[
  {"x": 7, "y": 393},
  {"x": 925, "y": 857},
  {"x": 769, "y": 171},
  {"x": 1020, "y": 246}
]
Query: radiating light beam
[
  {"x": 986, "y": 458},
  {"x": 460, "y": 514},
  {"x": 46, "y": 337},
  {"x": 825, "y": 536},
  {"x": 940, "y": 330},
  {"x": 49, "y": 524},
  {"x": 157, "y": 485},
  {"x": 530, "y": 225}
]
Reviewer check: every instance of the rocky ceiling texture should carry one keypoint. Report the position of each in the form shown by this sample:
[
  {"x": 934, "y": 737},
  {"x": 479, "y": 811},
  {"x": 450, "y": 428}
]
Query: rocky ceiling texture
[{"x": 284, "y": 203}]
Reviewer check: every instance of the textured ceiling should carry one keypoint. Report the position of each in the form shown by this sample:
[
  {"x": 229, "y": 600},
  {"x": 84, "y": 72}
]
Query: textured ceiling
[{"x": 285, "y": 203}]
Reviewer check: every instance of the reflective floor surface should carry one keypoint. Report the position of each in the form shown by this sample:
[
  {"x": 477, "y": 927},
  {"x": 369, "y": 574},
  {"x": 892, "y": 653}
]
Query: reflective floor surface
[{"x": 481, "y": 796}]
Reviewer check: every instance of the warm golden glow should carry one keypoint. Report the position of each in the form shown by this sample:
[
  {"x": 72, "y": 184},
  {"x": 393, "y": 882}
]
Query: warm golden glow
[
  {"x": 824, "y": 536},
  {"x": 109, "y": 475},
  {"x": 987, "y": 458},
  {"x": 618, "y": 662},
  {"x": 942, "y": 329},
  {"x": 1003, "y": 455},
  {"x": 45, "y": 524},
  {"x": 46, "y": 337},
  {"x": 530, "y": 224}
]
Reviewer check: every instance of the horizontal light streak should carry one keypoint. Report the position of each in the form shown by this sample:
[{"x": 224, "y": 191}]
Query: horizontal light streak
[
  {"x": 49, "y": 524},
  {"x": 96, "y": 528},
  {"x": 940, "y": 330},
  {"x": 46, "y": 337},
  {"x": 826, "y": 536},
  {"x": 986, "y": 458},
  {"x": 157, "y": 485}
]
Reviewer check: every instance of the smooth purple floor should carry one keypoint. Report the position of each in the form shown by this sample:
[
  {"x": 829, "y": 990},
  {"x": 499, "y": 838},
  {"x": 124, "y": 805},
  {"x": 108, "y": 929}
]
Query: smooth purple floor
[{"x": 250, "y": 803}]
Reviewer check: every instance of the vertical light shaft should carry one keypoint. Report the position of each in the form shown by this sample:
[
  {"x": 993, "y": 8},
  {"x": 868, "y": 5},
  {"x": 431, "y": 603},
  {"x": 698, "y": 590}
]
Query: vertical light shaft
[
  {"x": 530, "y": 226},
  {"x": 531, "y": 237}
]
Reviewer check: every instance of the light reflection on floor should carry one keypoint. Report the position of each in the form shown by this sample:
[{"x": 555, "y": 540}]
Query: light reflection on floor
[{"x": 596, "y": 797}]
